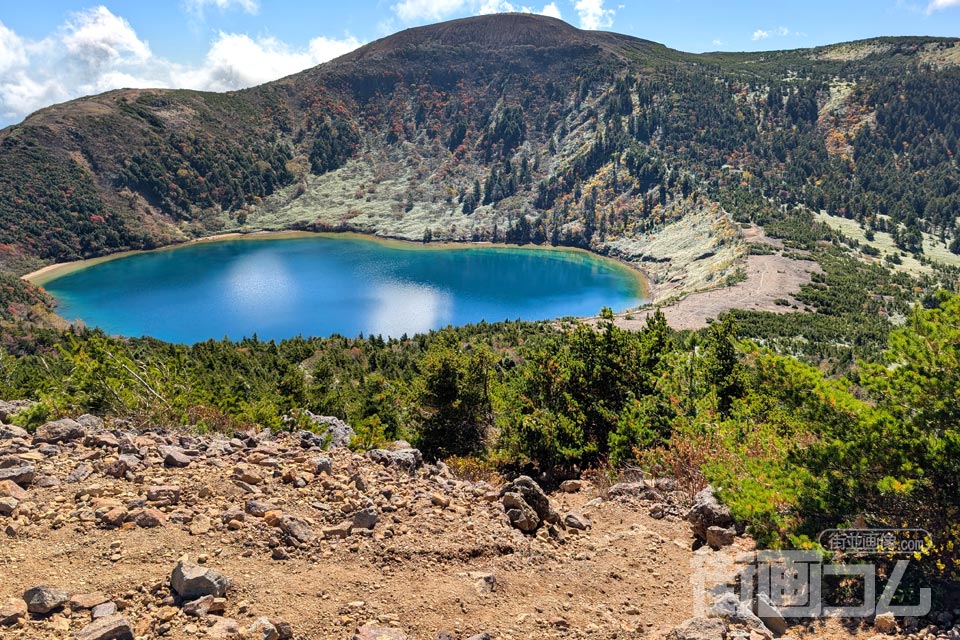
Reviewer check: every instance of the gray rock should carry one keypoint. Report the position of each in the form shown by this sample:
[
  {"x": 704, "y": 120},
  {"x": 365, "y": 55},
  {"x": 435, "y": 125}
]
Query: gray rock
[
  {"x": 321, "y": 464},
  {"x": 577, "y": 521},
  {"x": 7, "y": 505},
  {"x": 175, "y": 457},
  {"x": 113, "y": 627},
  {"x": 166, "y": 494},
  {"x": 103, "y": 610},
  {"x": 262, "y": 629},
  {"x": 90, "y": 422},
  {"x": 533, "y": 495},
  {"x": 191, "y": 581},
  {"x": 329, "y": 432},
  {"x": 80, "y": 473},
  {"x": 481, "y": 636},
  {"x": 521, "y": 515},
  {"x": 699, "y": 629},
  {"x": 9, "y": 431},
  {"x": 366, "y": 518},
  {"x": 640, "y": 490},
  {"x": 44, "y": 599},
  {"x": 407, "y": 459},
  {"x": 719, "y": 537},
  {"x": 770, "y": 615},
  {"x": 729, "y": 608},
  {"x": 707, "y": 512},
  {"x": 22, "y": 475},
  {"x": 63, "y": 430},
  {"x": 199, "y": 607},
  {"x": 258, "y": 508},
  {"x": 297, "y": 530}
]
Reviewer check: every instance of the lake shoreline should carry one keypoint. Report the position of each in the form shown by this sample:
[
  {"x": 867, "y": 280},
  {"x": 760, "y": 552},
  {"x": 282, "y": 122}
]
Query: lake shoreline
[{"x": 51, "y": 272}]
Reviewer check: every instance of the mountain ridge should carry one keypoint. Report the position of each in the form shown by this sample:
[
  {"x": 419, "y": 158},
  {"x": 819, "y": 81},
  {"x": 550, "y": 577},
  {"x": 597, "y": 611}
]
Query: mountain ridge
[{"x": 506, "y": 128}]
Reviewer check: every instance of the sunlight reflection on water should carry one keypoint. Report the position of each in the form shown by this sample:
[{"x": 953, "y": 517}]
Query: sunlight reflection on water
[{"x": 406, "y": 307}]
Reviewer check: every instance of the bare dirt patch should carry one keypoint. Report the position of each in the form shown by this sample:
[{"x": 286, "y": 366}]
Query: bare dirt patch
[{"x": 769, "y": 279}]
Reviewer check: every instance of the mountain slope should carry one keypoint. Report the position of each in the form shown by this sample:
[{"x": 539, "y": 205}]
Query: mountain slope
[{"x": 510, "y": 128}]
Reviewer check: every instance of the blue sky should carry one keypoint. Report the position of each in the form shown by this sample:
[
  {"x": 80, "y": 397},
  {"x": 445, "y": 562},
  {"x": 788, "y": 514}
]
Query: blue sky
[{"x": 56, "y": 50}]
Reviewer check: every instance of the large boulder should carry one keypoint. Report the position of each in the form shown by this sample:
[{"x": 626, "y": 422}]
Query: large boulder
[
  {"x": 191, "y": 581},
  {"x": 406, "y": 459},
  {"x": 57, "y": 431},
  {"x": 707, "y": 512},
  {"x": 328, "y": 432}
]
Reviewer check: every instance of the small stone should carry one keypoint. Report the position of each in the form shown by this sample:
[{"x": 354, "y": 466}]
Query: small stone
[
  {"x": 114, "y": 517},
  {"x": 10, "y": 489},
  {"x": 175, "y": 457},
  {"x": 199, "y": 607},
  {"x": 43, "y": 599},
  {"x": 366, "y": 518},
  {"x": 110, "y": 628},
  {"x": 571, "y": 486},
  {"x": 166, "y": 494},
  {"x": 719, "y": 537},
  {"x": 224, "y": 628},
  {"x": 258, "y": 508},
  {"x": 279, "y": 553},
  {"x": 80, "y": 473},
  {"x": 87, "y": 600},
  {"x": 12, "y": 611},
  {"x": 263, "y": 629},
  {"x": 886, "y": 623},
  {"x": 273, "y": 518},
  {"x": 103, "y": 610},
  {"x": 577, "y": 521},
  {"x": 8, "y": 505},
  {"x": 439, "y": 500},
  {"x": 150, "y": 518},
  {"x": 200, "y": 525},
  {"x": 699, "y": 629},
  {"x": 297, "y": 530}
]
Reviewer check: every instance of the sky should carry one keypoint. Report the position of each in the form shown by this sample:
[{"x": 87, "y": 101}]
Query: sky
[{"x": 56, "y": 50}]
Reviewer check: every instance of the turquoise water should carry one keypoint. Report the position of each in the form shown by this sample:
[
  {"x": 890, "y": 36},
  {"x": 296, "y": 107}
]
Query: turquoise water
[{"x": 317, "y": 286}]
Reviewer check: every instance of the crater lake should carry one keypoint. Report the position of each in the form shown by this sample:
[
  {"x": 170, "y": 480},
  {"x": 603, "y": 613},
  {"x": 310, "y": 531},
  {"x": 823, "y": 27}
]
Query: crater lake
[{"x": 318, "y": 285}]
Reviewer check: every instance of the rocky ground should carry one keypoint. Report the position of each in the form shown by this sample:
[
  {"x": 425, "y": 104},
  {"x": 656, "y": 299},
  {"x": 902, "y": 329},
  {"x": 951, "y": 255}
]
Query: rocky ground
[{"x": 108, "y": 533}]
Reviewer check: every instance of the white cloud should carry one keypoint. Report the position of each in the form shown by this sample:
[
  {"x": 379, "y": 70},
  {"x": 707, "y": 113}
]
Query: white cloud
[
  {"x": 552, "y": 11},
  {"x": 593, "y": 16},
  {"x": 937, "y": 5},
  {"x": 96, "y": 51},
  {"x": 198, "y": 6},
  {"x": 435, "y": 10},
  {"x": 779, "y": 32},
  {"x": 717, "y": 43}
]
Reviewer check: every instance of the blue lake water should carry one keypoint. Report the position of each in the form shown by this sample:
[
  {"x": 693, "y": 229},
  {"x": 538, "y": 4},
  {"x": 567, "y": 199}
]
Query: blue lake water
[{"x": 320, "y": 285}]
